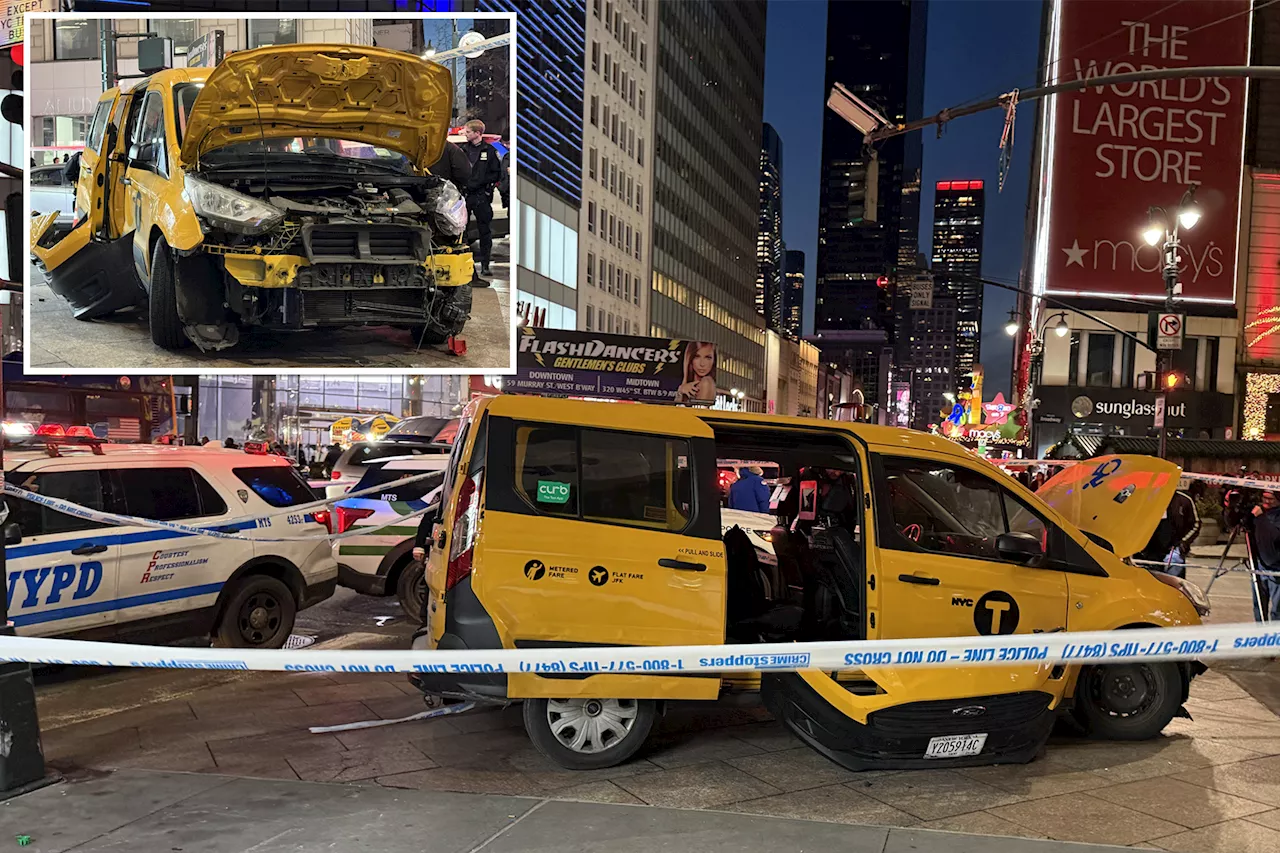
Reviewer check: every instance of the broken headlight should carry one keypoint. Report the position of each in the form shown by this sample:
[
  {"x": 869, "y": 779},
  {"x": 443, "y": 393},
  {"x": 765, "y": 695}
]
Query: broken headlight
[
  {"x": 229, "y": 209},
  {"x": 1194, "y": 593}
]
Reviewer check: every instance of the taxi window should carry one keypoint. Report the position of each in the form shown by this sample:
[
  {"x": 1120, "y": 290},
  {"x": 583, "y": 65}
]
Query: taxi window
[
  {"x": 98, "y": 125},
  {"x": 168, "y": 494},
  {"x": 77, "y": 487},
  {"x": 278, "y": 485},
  {"x": 949, "y": 510},
  {"x": 619, "y": 478}
]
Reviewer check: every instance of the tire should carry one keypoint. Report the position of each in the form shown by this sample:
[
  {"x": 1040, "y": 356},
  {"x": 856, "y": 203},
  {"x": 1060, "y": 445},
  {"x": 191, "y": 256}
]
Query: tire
[
  {"x": 1128, "y": 701},
  {"x": 411, "y": 590},
  {"x": 629, "y": 722},
  {"x": 166, "y": 326},
  {"x": 258, "y": 614},
  {"x": 451, "y": 308}
]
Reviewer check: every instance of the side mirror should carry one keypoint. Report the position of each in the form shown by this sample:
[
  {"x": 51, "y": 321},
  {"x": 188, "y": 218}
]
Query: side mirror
[
  {"x": 144, "y": 153},
  {"x": 12, "y": 533},
  {"x": 1019, "y": 548}
]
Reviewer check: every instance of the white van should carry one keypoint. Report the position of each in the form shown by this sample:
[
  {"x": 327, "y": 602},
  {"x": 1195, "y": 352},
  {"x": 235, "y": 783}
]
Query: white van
[{"x": 71, "y": 577}]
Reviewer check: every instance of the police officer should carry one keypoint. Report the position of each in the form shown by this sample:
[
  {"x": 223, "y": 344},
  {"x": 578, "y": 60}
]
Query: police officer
[{"x": 486, "y": 173}]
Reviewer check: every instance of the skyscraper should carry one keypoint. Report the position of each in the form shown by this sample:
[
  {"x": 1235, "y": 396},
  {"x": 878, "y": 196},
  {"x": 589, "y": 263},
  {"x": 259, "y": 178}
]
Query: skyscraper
[
  {"x": 617, "y": 209},
  {"x": 710, "y": 106},
  {"x": 550, "y": 69},
  {"x": 793, "y": 293},
  {"x": 875, "y": 49},
  {"x": 958, "y": 211},
  {"x": 769, "y": 247}
]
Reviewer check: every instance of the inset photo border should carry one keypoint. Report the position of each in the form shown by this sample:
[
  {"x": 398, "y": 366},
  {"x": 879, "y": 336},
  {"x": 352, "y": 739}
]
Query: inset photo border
[{"x": 198, "y": 208}]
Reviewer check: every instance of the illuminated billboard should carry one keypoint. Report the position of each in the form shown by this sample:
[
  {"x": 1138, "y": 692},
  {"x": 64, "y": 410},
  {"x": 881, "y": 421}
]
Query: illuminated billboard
[{"x": 1111, "y": 152}]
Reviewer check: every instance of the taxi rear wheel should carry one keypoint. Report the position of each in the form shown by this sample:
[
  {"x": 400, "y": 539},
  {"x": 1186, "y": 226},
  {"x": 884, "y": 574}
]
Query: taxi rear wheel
[
  {"x": 258, "y": 614},
  {"x": 166, "y": 326},
  {"x": 1128, "y": 701},
  {"x": 589, "y": 734},
  {"x": 411, "y": 590}
]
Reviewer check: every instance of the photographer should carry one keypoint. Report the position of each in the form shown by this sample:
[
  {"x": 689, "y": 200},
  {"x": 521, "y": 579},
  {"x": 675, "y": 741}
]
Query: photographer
[{"x": 1266, "y": 545}]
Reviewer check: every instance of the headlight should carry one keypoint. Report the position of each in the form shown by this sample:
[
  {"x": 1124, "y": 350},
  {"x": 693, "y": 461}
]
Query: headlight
[
  {"x": 229, "y": 209},
  {"x": 1194, "y": 593},
  {"x": 766, "y": 535}
]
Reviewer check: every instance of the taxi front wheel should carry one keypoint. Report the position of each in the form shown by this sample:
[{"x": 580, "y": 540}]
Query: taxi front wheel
[
  {"x": 166, "y": 326},
  {"x": 589, "y": 734},
  {"x": 1128, "y": 701},
  {"x": 258, "y": 614}
]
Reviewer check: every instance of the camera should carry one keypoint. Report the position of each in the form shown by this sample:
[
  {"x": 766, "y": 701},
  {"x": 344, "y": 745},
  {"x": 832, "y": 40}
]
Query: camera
[{"x": 1237, "y": 507}]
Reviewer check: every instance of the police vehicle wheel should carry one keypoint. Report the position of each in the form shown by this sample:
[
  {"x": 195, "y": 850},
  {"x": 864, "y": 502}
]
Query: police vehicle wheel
[
  {"x": 411, "y": 590},
  {"x": 166, "y": 326},
  {"x": 588, "y": 734},
  {"x": 258, "y": 615},
  {"x": 1128, "y": 701}
]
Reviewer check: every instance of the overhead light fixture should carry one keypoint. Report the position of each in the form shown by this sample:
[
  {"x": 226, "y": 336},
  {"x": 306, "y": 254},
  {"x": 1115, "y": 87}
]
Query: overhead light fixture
[
  {"x": 1154, "y": 232},
  {"x": 1189, "y": 210},
  {"x": 430, "y": 51},
  {"x": 470, "y": 39},
  {"x": 854, "y": 110},
  {"x": 1061, "y": 328},
  {"x": 1013, "y": 324}
]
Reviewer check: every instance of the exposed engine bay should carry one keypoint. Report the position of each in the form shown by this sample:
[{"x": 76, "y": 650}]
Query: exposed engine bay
[{"x": 333, "y": 250}]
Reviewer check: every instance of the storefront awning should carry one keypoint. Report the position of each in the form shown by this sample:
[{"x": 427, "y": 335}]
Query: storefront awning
[{"x": 1088, "y": 446}]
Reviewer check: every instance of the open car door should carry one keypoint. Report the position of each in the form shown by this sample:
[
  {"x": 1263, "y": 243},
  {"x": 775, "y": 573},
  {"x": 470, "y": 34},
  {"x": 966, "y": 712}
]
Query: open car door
[{"x": 89, "y": 266}]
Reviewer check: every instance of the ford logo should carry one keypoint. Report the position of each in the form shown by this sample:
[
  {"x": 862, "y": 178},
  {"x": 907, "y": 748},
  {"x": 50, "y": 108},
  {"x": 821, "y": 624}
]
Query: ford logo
[{"x": 970, "y": 711}]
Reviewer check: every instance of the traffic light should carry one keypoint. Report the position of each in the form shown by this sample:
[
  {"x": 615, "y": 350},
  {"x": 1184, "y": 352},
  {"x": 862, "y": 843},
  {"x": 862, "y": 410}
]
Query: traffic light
[
  {"x": 11, "y": 106},
  {"x": 1173, "y": 380}
]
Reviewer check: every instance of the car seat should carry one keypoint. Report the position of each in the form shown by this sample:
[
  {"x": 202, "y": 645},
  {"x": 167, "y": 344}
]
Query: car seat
[{"x": 749, "y": 614}]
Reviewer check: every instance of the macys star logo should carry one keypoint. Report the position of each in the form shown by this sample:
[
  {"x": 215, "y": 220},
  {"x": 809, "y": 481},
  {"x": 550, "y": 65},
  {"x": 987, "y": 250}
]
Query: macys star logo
[{"x": 1075, "y": 255}]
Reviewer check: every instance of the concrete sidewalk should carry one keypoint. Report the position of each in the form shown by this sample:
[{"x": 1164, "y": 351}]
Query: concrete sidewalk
[{"x": 196, "y": 813}]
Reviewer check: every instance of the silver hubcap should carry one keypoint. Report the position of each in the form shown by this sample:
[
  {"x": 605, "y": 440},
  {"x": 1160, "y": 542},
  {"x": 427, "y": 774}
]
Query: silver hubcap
[{"x": 591, "y": 725}]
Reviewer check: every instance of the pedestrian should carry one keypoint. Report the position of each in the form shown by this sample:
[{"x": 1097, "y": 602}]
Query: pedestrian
[
  {"x": 486, "y": 173},
  {"x": 331, "y": 458},
  {"x": 204, "y": 439},
  {"x": 230, "y": 443},
  {"x": 1266, "y": 547},
  {"x": 749, "y": 493},
  {"x": 453, "y": 166},
  {"x": 71, "y": 172},
  {"x": 504, "y": 186},
  {"x": 1170, "y": 543}
]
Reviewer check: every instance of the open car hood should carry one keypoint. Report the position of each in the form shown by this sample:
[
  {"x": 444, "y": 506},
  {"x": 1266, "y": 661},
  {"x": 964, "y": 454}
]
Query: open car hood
[
  {"x": 383, "y": 98},
  {"x": 1118, "y": 498}
]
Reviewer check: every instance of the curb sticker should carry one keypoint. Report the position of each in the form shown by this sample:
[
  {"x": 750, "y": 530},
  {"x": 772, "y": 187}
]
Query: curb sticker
[{"x": 552, "y": 492}]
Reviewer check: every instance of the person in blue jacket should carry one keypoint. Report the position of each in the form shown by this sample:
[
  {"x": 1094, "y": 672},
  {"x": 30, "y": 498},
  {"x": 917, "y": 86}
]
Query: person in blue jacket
[{"x": 749, "y": 493}]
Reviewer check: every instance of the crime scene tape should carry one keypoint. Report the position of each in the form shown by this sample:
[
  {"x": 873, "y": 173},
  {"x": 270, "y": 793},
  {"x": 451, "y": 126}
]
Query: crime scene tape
[
  {"x": 231, "y": 529},
  {"x": 1200, "y": 642}
]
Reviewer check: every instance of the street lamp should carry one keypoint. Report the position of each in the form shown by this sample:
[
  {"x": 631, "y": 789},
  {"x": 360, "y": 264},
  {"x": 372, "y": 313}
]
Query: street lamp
[
  {"x": 1060, "y": 328},
  {"x": 1163, "y": 229}
]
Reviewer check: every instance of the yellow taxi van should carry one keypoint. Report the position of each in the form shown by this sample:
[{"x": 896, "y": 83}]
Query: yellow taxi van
[
  {"x": 287, "y": 188},
  {"x": 569, "y": 523}
]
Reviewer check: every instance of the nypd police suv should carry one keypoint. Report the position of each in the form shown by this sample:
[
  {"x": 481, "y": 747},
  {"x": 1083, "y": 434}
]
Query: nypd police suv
[{"x": 70, "y": 576}]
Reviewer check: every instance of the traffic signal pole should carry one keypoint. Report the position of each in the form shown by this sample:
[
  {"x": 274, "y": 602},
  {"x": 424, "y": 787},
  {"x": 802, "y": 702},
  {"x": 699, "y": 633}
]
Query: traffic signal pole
[
  {"x": 21, "y": 757},
  {"x": 1164, "y": 358}
]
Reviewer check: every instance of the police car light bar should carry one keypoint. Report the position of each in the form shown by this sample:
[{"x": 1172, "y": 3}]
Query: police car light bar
[{"x": 257, "y": 448}]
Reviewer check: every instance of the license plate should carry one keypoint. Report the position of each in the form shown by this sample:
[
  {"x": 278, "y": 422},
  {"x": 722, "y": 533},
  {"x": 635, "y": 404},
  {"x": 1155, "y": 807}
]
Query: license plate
[{"x": 955, "y": 746}]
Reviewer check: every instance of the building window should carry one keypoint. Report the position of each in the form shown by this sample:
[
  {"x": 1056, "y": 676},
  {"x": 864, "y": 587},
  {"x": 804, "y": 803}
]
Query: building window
[
  {"x": 591, "y": 216},
  {"x": 590, "y": 311},
  {"x": 604, "y": 123},
  {"x": 628, "y": 239},
  {"x": 1101, "y": 358},
  {"x": 610, "y": 323},
  {"x": 637, "y": 250},
  {"x": 631, "y": 93},
  {"x": 1073, "y": 361},
  {"x": 630, "y": 191},
  {"x": 613, "y": 179},
  {"x": 633, "y": 44},
  {"x": 600, "y": 278},
  {"x": 644, "y": 53},
  {"x": 76, "y": 39},
  {"x": 626, "y": 287},
  {"x": 613, "y": 129},
  {"x": 640, "y": 148},
  {"x": 631, "y": 142},
  {"x": 642, "y": 108},
  {"x": 608, "y": 66},
  {"x": 644, "y": 10},
  {"x": 595, "y": 56},
  {"x": 181, "y": 30},
  {"x": 595, "y": 10},
  {"x": 591, "y": 275},
  {"x": 608, "y": 15},
  {"x": 612, "y": 224},
  {"x": 603, "y": 220},
  {"x": 617, "y": 79},
  {"x": 639, "y": 200},
  {"x": 1211, "y": 363},
  {"x": 591, "y": 164},
  {"x": 595, "y": 104},
  {"x": 1184, "y": 360},
  {"x": 263, "y": 33}
]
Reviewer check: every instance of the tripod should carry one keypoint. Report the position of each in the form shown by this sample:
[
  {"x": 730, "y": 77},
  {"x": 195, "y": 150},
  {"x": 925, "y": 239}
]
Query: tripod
[{"x": 1261, "y": 600}]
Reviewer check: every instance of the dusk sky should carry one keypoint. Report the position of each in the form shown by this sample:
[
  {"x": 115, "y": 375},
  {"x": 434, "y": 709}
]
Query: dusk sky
[{"x": 976, "y": 49}]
